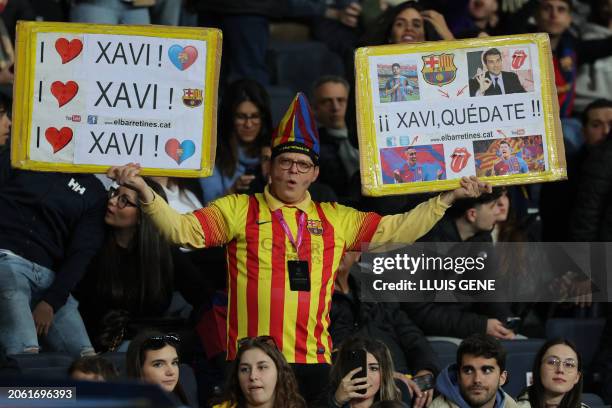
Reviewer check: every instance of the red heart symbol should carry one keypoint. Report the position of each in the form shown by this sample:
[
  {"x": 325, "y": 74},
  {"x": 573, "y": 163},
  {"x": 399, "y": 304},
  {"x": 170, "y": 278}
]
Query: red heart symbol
[
  {"x": 172, "y": 147},
  {"x": 68, "y": 50},
  {"x": 58, "y": 138},
  {"x": 188, "y": 56},
  {"x": 64, "y": 92}
]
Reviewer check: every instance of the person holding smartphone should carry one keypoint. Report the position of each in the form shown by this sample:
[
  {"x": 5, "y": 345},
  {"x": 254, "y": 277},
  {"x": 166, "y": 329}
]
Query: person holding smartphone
[
  {"x": 245, "y": 125},
  {"x": 363, "y": 374}
]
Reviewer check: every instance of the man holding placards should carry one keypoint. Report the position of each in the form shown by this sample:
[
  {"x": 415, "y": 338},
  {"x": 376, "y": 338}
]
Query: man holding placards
[{"x": 284, "y": 249}]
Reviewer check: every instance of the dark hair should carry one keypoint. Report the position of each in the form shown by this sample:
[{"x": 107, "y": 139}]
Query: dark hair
[
  {"x": 227, "y": 148},
  {"x": 136, "y": 355},
  {"x": 389, "y": 404},
  {"x": 322, "y": 80},
  {"x": 460, "y": 206},
  {"x": 395, "y": 64},
  {"x": 490, "y": 51},
  {"x": 147, "y": 283},
  {"x": 598, "y": 16},
  {"x": 286, "y": 392},
  {"x": 381, "y": 29},
  {"x": 596, "y": 104},
  {"x": 5, "y": 103},
  {"x": 388, "y": 390},
  {"x": 482, "y": 345},
  {"x": 568, "y": 2},
  {"x": 94, "y": 365},
  {"x": 571, "y": 399}
]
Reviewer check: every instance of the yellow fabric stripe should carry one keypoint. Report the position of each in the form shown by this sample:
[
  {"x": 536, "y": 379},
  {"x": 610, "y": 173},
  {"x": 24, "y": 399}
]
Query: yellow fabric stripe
[
  {"x": 410, "y": 226},
  {"x": 264, "y": 287},
  {"x": 180, "y": 229}
]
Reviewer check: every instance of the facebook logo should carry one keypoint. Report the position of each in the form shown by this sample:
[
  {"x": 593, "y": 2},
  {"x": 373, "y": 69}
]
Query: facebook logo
[{"x": 92, "y": 119}]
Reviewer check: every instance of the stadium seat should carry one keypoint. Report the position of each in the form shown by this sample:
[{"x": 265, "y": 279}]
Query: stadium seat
[
  {"x": 445, "y": 350},
  {"x": 280, "y": 98},
  {"x": 297, "y": 65},
  {"x": 188, "y": 382},
  {"x": 585, "y": 333},
  {"x": 118, "y": 360},
  {"x": 519, "y": 361},
  {"x": 44, "y": 365},
  {"x": 593, "y": 400}
]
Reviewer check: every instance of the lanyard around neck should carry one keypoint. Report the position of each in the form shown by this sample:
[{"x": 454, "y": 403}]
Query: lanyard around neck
[{"x": 300, "y": 233}]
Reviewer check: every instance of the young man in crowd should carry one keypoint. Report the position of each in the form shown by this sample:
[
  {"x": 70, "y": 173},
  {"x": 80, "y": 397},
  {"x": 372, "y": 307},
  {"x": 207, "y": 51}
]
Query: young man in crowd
[
  {"x": 470, "y": 221},
  {"x": 339, "y": 159},
  {"x": 476, "y": 378}
]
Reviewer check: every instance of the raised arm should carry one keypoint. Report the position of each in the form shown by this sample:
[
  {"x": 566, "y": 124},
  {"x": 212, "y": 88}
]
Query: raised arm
[
  {"x": 410, "y": 226},
  {"x": 179, "y": 229}
]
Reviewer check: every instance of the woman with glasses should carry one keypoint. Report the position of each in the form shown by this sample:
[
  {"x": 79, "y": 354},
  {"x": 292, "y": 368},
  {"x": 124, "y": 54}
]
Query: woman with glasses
[
  {"x": 133, "y": 277},
  {"x": 260, "y": 377},
  {"x": 557, "y": 377},
  {"x": 353, "y": 388},
  {"x": 245, "y": 125},
  {"x": 153, "y": 358}
]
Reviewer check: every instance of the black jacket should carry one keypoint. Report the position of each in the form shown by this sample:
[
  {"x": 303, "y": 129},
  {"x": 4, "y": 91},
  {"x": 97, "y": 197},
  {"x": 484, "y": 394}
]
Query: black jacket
[
  {"x": 591, "y": 219},
  {"x": 53, "y": 219},
  {"x": 454, "y": 319},
  {"x": 267, "y": 8},
  {"x": 386, "y": 322},
  {"x": 510, "y": 81}
]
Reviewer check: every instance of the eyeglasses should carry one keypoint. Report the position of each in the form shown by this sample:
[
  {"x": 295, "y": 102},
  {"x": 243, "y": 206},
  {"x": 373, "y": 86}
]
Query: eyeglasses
[
  {"x": 555, "y": 362},
  {"x": 269, "y": 340},
  {"x": 157, "y": 342},
  {"x": 302, "y": 166},
  {"x": 242, "y": 117},
  {"x": 122, "y": 199}
]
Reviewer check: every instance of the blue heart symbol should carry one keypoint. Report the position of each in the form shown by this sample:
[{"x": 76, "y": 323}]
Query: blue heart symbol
[
  {"x": 188, "y": 148},
  {"x": 173, "y": 54}
]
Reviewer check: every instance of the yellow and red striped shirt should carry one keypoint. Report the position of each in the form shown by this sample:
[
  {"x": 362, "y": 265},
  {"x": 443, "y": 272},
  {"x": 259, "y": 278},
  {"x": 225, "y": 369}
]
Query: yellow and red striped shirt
[{"x": 260, "y": 301}]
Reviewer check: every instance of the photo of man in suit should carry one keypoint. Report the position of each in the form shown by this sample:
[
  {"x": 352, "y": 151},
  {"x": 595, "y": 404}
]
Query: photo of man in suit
[{"x": 494, "y": 81}]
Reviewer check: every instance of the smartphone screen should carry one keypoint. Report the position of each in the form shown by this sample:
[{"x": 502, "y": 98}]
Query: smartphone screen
[
  {"x": 358, "y": 358},
  {"x": 425, "y": 382}
]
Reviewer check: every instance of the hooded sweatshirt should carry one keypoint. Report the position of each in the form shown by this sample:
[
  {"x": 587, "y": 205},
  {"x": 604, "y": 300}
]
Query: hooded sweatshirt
[{"x": 448, "y": 386}]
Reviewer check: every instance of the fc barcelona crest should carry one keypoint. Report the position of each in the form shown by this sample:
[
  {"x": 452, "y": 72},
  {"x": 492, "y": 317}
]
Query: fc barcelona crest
[
  {"x": 439, "y": 69},
  {"x": 192, "y": 97},
  {"x": 315, "y": 227}
]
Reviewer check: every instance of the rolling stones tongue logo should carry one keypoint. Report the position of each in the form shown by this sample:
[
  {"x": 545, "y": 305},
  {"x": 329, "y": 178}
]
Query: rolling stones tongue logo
[
  {"x": 460, "y": 158},
  {"x": 518, "y": 59}
]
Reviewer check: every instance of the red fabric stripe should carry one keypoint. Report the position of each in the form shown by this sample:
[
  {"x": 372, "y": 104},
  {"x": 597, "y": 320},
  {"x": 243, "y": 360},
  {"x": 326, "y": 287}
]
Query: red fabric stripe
[
  {"x": 288, "y": 130},
  {"x": 213, "y": 226},
  {"x": 313, "y": 124},
  {"x": 232, "y": 330},
  {"x": 328, "y": 261},
  {"x": 277, "y": 295},
  {"x": 252, "y": 264},
  {"x": 367, "y": 230},
  {"x": 304, "y": 131},
  {"x": 301, "y": 324}
]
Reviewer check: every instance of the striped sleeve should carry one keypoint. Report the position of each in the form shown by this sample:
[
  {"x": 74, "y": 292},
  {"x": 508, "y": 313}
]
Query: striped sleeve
[
  {"x": 358, "y": 227},
  {"x": 203, "y": 228},
  {"x": 408, "y": 227}
]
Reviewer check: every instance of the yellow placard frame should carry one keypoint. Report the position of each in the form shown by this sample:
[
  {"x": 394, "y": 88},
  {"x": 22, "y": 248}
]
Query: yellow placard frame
[
  {"x": 371, "y": 180},
  {"x": 23, "y": 91}
]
